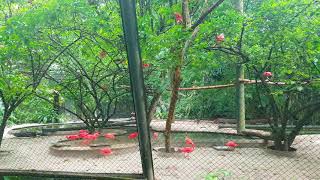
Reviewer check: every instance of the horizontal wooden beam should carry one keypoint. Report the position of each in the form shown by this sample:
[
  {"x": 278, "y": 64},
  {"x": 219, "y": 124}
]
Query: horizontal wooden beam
[{"x": 244, "y": 81}]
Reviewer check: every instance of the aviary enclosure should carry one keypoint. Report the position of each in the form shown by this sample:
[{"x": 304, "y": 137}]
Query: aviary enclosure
[{"x": 184, "y": 89}]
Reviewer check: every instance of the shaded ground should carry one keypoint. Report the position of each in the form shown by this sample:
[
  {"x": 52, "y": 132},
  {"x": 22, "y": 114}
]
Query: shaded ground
[{"x": 243, "y": 163}]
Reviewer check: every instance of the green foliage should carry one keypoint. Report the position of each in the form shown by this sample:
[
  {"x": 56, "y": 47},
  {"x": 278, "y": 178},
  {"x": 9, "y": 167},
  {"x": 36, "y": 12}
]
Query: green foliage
[
  {"x": 279, "y": 36},
  {"x": 217, "y": 175}
]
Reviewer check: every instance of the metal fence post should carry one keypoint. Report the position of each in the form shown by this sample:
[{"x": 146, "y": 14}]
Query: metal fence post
[{"x": 129, "y": 23}]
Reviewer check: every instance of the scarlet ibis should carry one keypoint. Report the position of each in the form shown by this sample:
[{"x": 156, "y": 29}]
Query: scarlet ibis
[
  {"x": 179, "y": 18},
  {"x": 97, "y": 134},
  {"x": 220, "y": 38},
  {"x": 146, "y": 65},
  {"x": 83, "y": 133},
  {"x": 91, "y": 137},
  {"x": 231, "y": 144},
  {"x": 186, "y": 151},
  {"x": 133, "y": 135},
  {"x": 189, "y": 141},
  {"x": 267, "y": 74},
  {"x": 72, "y": 137},
  {"x": 110, "y": 136},
  {"x": 155, "y": 135},
  {"x": 105, "y": 151}
]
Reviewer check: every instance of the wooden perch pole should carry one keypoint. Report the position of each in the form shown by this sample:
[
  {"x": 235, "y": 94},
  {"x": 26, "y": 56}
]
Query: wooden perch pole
[{"x": 243, "y": 81}]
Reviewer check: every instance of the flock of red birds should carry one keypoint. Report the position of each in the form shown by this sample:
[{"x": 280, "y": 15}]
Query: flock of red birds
[
  {"x": 88, "y": 138},
  {"x": 190, "y": 146}
]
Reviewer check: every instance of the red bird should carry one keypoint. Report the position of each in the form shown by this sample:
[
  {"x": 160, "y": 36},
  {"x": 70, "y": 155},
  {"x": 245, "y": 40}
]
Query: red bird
[
  {"x": 83, "y": 133},
  {"x": 155, "y": 135},
  {"x": 110, "y": 136},
  {"x": 72, "y": 137},
  {"x": 189, "y": 141},
  {"x": 105, "y": 151},
  {"x": 133, "y": 135},
  {"x": 91, "y": 137},
  {"x": 231, "y": 144},
  {"x": 146, "y": 65},
  {"x": 179, "y": 18},
  {"x": 186, "y": 151},
  {"x": 267, "y": 74},
  {"x": 220, "y": 38},
  {"x": 97, "y": 134}
]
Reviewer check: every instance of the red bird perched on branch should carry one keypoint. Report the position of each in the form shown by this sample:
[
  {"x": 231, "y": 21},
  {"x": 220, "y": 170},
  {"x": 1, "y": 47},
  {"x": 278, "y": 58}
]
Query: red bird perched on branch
[
  {"x": 146, "y": 65},
  {"x": 231, "y": 144},
  {"x": 110, "y": 136},
  {"x": 179, "y": 18},
  {"x": 220, "y": 38},
  {"x": 73, "y": 137},
  {"x": 105, "y": 151},
  {"x": 267, "y": 74},
  {"x": 133, "y": 135}
]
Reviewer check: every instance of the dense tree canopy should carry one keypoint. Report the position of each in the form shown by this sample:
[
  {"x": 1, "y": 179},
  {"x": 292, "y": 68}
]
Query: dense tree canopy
[{"x": 74, "y": 50}]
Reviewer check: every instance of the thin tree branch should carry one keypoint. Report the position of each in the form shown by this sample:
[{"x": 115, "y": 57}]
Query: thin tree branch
[{"x": 206, "y": 13}]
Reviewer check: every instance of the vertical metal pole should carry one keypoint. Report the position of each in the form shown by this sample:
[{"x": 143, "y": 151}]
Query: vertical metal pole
[{"x": 129, "y": 23}]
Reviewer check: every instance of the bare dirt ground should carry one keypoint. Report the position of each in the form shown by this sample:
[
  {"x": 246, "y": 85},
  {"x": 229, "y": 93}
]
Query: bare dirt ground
[{"x": 243, "y": 163}]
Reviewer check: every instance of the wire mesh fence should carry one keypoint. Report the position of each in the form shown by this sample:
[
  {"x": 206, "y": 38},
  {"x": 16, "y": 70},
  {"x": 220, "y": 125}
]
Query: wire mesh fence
[
  {"x": 217, "y": 151},
  {"x": 220, "y": 153},
  {"x": 112, "y": 152}
]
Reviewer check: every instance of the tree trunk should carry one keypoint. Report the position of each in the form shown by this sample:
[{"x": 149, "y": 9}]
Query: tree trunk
[
  {"x": 5, "y": 118},
  {"x": 240, "y": 93},
  {"x": 240, "y": 99},
  {"x": 186, "y": 14},
  {"x": 56, "y": 106},
  {"x": 174, "y": 97},
  {"x": 153, "y": 106}
]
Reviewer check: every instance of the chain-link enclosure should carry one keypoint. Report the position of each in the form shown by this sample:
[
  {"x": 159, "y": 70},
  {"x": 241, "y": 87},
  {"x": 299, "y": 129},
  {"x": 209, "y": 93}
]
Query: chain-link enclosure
[{"x": 79, "y": 63}]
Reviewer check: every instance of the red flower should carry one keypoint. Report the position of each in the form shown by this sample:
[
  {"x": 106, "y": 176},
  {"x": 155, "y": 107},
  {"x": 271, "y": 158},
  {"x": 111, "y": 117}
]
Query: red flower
[
  {"x": 231, "y": 144},
  {"x": 267, "y": 74},
  {"x": 110, "y": 136},
  {"x": 146, "y": 65},
  {"x": 133, "y": 135},
  {"x": 105, "y": 151},
  {"x": 155, "y": 135},
  {"x": 72, "y": 137},
  {"x": 220, "y": 38},
  {"x": 179, "y": 18}
]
